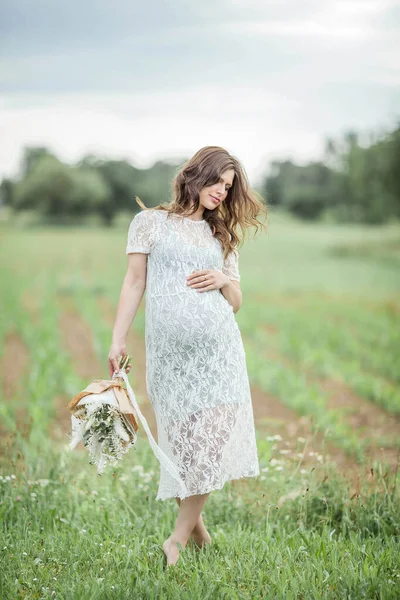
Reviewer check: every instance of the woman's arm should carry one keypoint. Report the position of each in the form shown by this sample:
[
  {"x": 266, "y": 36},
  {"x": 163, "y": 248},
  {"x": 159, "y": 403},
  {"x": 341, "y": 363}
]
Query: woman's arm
[
  {"x": 132, "y": 291},
  {"x": 232, "y": 292}
]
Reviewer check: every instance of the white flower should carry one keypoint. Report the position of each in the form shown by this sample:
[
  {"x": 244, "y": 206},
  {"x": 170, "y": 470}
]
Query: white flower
[
  {"x": 89, "y": 423},
  {"x": 104, "y": 432},
  {"x": 120, "y": 429}
]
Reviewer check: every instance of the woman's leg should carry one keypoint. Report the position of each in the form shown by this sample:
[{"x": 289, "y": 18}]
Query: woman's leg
[
  {"x": 199, "y": 533},
  {"x": 189, "y": 512}
]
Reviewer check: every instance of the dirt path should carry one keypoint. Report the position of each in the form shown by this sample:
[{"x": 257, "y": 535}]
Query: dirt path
[
  {"x": 14, "y": 365},
  {"x": 78, "y": 342},
  {"x": 373, "y": 424},
  {"x": 30, "y": 301}
]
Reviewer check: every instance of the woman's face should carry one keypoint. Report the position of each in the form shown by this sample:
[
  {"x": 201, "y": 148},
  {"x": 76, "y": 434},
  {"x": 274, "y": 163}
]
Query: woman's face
[{"x": 211, "y": 196}]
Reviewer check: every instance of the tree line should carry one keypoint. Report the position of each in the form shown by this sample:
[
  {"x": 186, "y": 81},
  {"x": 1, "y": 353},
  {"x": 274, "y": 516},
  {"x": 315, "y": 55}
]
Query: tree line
[
  {"x": 356, "y": 180},
  {"x": 68, "y": 193}
]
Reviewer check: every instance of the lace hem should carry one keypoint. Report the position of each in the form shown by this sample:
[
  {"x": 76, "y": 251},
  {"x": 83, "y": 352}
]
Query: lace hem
[
  {"x": 168, "y": 495},
  {"x": 140, "y": 249}
]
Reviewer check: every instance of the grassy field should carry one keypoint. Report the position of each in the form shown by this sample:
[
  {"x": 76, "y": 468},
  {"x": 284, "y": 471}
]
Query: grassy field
[{"x": 320, "y": 323}]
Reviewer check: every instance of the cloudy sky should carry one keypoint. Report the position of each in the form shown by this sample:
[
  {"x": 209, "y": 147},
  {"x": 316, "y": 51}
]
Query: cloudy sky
[{"x": 152, "y": 79}]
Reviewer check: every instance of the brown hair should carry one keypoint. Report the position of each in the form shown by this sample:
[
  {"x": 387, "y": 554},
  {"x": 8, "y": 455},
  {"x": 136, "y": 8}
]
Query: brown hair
[{"x": 240, "y": 208}]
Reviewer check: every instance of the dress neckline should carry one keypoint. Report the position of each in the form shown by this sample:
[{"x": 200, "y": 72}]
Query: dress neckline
[
  {"x": 189, "y": 219},
  {"x": 193, "y": 221}
]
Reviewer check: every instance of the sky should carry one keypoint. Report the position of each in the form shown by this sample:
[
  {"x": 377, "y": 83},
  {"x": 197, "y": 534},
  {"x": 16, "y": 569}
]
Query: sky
[{"x": 144, "y": 81}]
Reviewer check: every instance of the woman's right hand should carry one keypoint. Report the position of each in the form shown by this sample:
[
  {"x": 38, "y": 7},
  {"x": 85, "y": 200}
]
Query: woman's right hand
[{"x": 116, "y": 351}]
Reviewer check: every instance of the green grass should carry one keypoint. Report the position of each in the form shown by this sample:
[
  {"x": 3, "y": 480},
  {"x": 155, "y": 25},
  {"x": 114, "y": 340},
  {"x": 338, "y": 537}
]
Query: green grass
[
  {"x": 308, "y": 302},
  {"x": 68, "y": 531}
]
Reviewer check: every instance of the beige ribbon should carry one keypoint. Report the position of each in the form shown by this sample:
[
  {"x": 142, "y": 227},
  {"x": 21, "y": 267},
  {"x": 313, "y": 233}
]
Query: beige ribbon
[{"x": 98, "y": 386}]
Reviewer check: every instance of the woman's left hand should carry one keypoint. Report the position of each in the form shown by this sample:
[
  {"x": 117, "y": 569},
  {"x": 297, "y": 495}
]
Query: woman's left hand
[{"x": 207, "y": 279}]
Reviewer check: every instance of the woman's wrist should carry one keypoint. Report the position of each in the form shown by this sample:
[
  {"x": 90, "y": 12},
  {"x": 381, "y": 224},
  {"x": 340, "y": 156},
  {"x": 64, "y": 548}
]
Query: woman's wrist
[
  {"x": 227, "y": 283},
  {"x": 118, "y": 339}
]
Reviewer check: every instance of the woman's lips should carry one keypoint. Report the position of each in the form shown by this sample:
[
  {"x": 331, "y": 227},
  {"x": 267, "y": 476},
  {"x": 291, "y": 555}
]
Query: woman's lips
[{"x": 214, "y": 199}]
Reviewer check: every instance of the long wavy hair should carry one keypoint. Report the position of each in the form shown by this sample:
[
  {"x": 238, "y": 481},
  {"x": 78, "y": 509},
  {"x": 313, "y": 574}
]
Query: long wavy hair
[{"x": 239, "y": 210}]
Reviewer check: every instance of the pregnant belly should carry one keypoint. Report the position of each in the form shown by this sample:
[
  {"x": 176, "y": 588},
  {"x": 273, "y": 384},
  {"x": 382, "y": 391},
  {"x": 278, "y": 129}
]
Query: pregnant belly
[{"x": 190, "y": 317}]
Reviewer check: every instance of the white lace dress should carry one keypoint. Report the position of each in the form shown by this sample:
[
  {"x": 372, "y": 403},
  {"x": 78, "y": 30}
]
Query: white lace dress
[{"x": 196, "y": 372}]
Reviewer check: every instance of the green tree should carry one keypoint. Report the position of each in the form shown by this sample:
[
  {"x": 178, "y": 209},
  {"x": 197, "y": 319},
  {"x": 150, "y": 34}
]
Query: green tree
[
  {"x": 57, "y": 190},
  {"x": 6, "y": 192}
]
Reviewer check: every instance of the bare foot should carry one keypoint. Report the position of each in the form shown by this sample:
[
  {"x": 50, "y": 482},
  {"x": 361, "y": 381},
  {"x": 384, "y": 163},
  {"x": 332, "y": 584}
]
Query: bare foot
[{"x": 171, "y": 551}]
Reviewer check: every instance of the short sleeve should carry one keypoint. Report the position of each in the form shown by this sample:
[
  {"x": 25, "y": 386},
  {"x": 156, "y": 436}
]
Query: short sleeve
[
  {"x": 231, "y": 265},
  {"x": 142, "y": 232}
]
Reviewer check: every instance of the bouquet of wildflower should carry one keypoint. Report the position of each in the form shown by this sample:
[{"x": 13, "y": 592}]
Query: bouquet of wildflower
[{"x": 103, "y": 418}]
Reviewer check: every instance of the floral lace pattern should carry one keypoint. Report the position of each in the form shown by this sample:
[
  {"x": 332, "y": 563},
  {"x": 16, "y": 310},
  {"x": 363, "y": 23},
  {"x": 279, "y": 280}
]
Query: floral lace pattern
[{"x": 196, "y": 370}]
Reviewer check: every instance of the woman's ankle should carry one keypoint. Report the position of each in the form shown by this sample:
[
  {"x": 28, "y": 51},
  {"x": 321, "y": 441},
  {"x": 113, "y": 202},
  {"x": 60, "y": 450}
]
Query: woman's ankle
[{"x": 178, "y": 539}]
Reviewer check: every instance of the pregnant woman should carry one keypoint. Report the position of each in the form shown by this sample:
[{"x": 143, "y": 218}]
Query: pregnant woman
[{"x": 184, "y": 254}]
